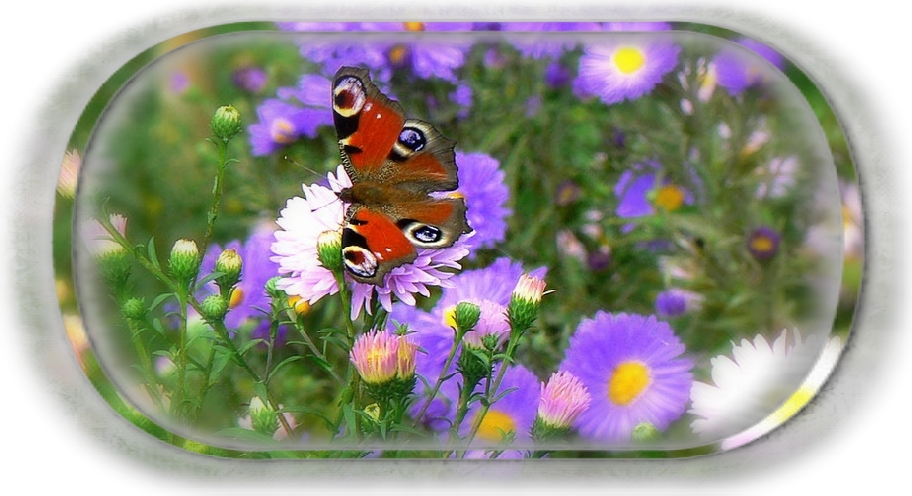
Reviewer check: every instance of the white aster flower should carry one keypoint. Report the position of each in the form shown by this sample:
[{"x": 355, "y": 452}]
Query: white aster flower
[{"x": 756, "y": 382}]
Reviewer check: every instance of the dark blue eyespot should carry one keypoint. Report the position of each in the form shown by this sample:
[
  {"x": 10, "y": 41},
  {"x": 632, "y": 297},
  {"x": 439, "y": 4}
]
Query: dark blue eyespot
[
  {"x": 412, "y": 138},
  {"x": 427, "y": 234}
]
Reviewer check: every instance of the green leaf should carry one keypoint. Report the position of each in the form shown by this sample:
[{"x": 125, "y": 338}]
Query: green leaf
[
  {"x": 150, "y": 250},
  {"x": 319, "y": 362},
  {"x": 259, "y": 389},
  {"x": 161, "y": 298},
  {"x": 283, "y": 363},
  {"x": 244, "y": 349}
]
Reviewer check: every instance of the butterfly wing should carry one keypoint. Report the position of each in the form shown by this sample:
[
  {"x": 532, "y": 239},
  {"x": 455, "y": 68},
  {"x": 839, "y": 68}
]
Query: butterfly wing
[{"x": 394, "y": 164}]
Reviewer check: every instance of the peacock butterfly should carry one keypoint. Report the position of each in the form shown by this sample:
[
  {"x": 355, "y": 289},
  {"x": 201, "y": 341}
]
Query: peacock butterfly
[{"x": 394, "y": 165}]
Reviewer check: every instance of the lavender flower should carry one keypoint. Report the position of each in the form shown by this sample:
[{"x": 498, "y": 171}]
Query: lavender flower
[
  {"x": 736, "y": 69},
  {"x": 281, "y": 124},
  {"x": 482, "y": 184},
  {"x": 552, "y": 48},
  {"x": 633, "y": 367},
  {"x": 626, "y": 69}
]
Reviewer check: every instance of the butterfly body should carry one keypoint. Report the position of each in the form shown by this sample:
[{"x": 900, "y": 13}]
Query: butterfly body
[{"x": 395, "y": 165}]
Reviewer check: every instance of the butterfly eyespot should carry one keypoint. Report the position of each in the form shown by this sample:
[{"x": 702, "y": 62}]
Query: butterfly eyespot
[
  {"x": 412, "y": 138},
  {"x": 427, "y": 234},
  {"x": 359, "y": 261},
  {"x": 349, "y": 96}
]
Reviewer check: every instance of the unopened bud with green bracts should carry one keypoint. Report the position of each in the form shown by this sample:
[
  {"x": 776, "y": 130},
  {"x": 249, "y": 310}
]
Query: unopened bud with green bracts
[
  {"x": 226, "y": 123},
  {"x": 329, "y": 250},
  {"x": 229, "y": 263},
  {"x": 134, "y": 308},
  {"x": 524, "y": 302},
  {"x": 184, "y": 262},
  {"x": 214, "y": 307}
]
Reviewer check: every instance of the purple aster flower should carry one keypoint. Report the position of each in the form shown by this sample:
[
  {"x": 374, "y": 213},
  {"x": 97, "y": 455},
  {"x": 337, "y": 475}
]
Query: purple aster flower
[
  {"x": 639, "y": 193},
  {"x": 551, "y": 48},
  {"x": 670, "y": 303},
  {"x": 556, "y": 75},
  {"x": 763, "y": 243},
  {"x": 481, "y": 183},
  {"x": 282, "y": 123},
  {"x": 462, "y": 97},
  {"x": 252, "y": 79},
  {"x": 513, "y": 414},
  {"x": 562, "y": 399},
  {"x": 434, "y": 332},
  {"x": 633, "y": 367},
  {"x": 304, "y": 219},
  {"x": 737, "y": 69},
  {"x": 626, "y": 69},
  {"x": 426, "y": 60},
  {"x": 636, "y": 26}
]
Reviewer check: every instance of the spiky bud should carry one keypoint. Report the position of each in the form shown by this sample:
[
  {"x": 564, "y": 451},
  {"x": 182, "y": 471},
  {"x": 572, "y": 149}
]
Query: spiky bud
[
  {"x": 214, "y": 307},
  {"x": 329, "y": 250},
  {"x": 134, "y": 308},
  {"x": 229, "y": 263},
  {"x": 226, "y": 123},
  {"x": 184, "y": 261}
]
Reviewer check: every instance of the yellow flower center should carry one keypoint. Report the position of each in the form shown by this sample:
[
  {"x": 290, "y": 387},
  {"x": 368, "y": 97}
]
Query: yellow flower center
[
  {"x": 300, "y": 305},
  {"x": 627, "y": 382},
  {"x": 397, "y": 54},
  {"x": 495, "y": 426},
  {"x": 235, "y": 298},
  {"x": 628, "y": 59},
  {"x": 282, "y": 131},
  {"x": 414, "y": 26},
  {"x": 669, "y": 197},
  {"x": 449, "y": 317},
  {"x": 762, "y": 244}
]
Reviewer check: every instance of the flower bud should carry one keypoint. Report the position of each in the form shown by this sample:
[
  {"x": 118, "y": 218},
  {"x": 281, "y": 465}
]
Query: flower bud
[
  {"x": 134, "y": 308},
  {"x": 226, "y": 123},
  {"x": 262, "y": 418},
  {"x": 214, "y": 307},
  {"x": 562, "y": 399},
  {"x": 230, "y": 264},
  {"x": 645, "y": 433},
  {"x": 184, "y": 261},
  {"x": 405, "y": 364},
  {"x": 466, "y": 316},
  {"x": 524, "y": 302},
  {"x": 329, "y": 250}
]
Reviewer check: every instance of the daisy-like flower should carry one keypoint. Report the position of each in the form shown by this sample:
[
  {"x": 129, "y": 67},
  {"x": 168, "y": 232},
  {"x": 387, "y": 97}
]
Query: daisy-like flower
[
  {"x": 640, "y": 193},
  {"x": 376, "y": 356},
  {"x": 282, "y": 123},
  {"x": 763, "y": 243},
  {"x": 482, "y": 184},
  {"x": 512, "y": 415},
  {"x": 757, "y": 380},
  {"x": 562, "y": 399},
  {"x": 425, "y": 59},
  {"x": 633, "y": 367},
  {"x": 249, "y": 78},
  {"x": 737, "y": 69},
  {"x": 301, "y": 223},
  {"x": 543, "y": 47},
  {"x": 626, "y": 69},
  {"x": 670, "y": 303}
]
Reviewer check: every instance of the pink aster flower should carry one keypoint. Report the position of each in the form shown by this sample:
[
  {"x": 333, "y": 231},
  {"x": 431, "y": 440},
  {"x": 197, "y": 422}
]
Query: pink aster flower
[
  {"x": 562, "y": 399},
  {"x": 303, "y": 220},
  {"x": 625, "y": 68}
]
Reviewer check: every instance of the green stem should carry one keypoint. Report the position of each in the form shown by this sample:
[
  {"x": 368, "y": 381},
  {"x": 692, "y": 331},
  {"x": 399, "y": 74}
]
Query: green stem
[
  {"x": 181, "y": 354},
  {"x": 216, "y": 192},
  {"x": 439, "y": 383},
  {"x": 146, "y": 364},
  {"x": 486, "y": 405}
]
